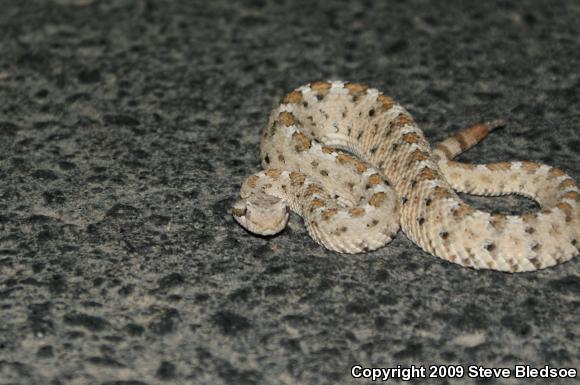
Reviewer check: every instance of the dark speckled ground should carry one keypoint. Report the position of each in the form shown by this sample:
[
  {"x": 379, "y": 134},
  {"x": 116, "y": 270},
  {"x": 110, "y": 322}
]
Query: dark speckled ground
[{"x": 126, "y": 128}]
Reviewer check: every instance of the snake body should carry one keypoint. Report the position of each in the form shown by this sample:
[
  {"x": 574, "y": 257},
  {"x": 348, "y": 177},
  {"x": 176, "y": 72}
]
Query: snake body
[{"x": 354, "y": 164}]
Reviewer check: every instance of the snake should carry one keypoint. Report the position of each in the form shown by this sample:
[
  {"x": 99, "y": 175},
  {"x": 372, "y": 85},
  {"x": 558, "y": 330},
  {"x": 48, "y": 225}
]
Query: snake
[{"x": 352, "y": 162}]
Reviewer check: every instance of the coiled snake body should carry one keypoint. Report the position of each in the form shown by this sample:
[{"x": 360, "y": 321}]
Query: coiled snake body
[{"x": 355, "y": 201}]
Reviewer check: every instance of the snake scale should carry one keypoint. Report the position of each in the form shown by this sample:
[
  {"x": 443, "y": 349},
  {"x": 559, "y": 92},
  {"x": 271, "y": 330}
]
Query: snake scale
[{"x": 353, "y": 163}]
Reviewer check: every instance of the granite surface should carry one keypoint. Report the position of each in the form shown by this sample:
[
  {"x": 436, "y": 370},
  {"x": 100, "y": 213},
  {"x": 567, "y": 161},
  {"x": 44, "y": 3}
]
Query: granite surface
[{"x": 127, "y": 127}]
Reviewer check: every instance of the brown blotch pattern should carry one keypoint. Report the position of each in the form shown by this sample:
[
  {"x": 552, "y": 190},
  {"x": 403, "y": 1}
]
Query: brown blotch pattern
[
  {"x": 374, "y": 179},
  {"x": 297, "y": 178},
  {"x": 572, "y": 195},
  {"x": 567, "y": 183},
  {"x": 410, "y": 138},
  {"x": 361, "y": 167},
  {"x": 286, "y": 118},
  {"x": 356, "y": 89},
  {"x": 498, "y": 221},
  {"x": 320, "y": 86},
  {"x": 441, "y": 192},
  {"x": 317, "y": 203},
  {"x": 273, "y": 173},
  {"x": 303, "y": 143},
  {"x": 377, "y": 199},
  {"x": 462, "y": 210},
  {"x": 329, "y": 213},
  {"x": 356, "y": 212},
  {"x": 293, "y": 97},
  {"x": 567, "y": 209},
  {"x": 555, "y": 172},
  {"x": 312, "y": 189},
  {"x": 253, "y": 180},
  {"x": 419, "y": 155},
  {"x": 404, "y": 119},
  {"x": 427, "y": 174},
  {"x": 344, "y": 159},
  {"x": 386, "y": 101},
  {"x": 327, "y": 150},
  {"x": 530, "y": 166},
  {"x": 501, "y": 166}
]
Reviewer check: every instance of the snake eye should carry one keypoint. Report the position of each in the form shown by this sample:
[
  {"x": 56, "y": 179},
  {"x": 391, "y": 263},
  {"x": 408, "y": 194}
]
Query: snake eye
[{"x": 238, "y": 210}]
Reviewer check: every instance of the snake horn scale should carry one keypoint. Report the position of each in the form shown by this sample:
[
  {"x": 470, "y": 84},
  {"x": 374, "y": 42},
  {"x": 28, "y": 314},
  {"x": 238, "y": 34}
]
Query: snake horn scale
[{"x": 353, "y": 163}]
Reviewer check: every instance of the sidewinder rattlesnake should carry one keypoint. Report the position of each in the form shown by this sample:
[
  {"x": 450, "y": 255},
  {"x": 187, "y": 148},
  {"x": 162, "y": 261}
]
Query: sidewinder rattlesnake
[{"x": 354, "y": 201}]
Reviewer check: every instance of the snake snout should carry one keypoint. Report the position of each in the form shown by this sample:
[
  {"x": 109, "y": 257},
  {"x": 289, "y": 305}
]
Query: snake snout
[{"x": 261, "y": 214}]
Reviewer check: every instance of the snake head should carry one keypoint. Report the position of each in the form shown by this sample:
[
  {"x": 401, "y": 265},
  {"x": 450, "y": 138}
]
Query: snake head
[{"x": 261, "y": 213}]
